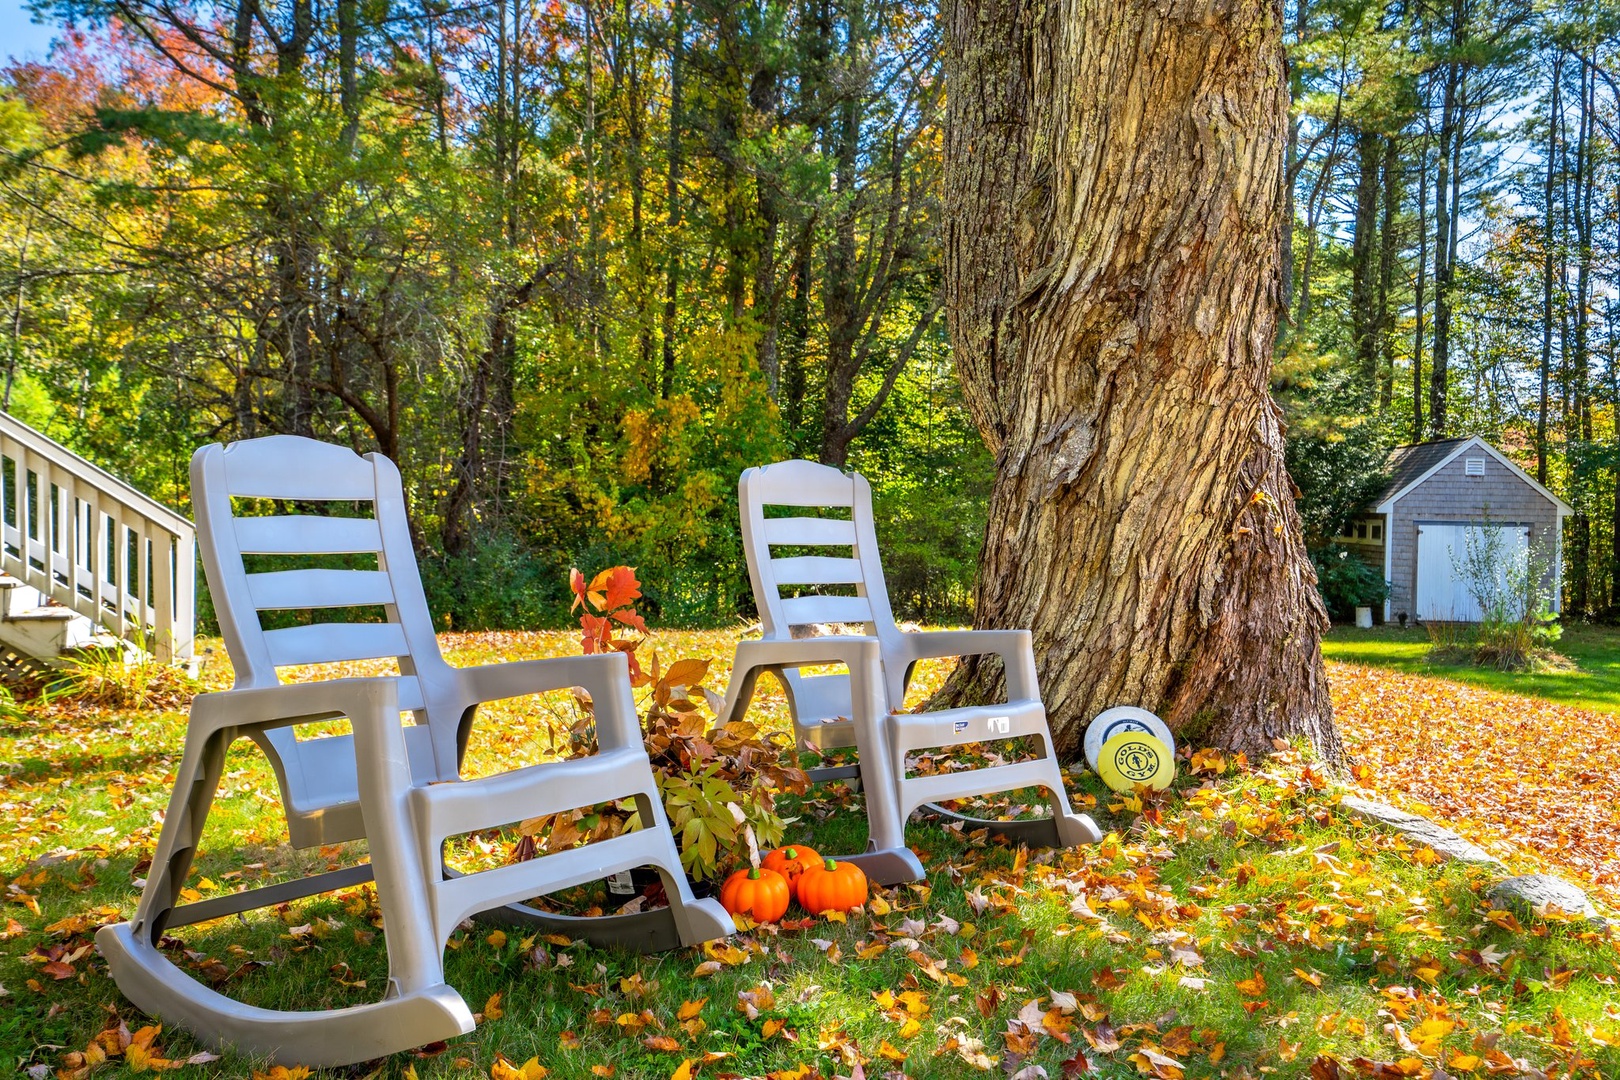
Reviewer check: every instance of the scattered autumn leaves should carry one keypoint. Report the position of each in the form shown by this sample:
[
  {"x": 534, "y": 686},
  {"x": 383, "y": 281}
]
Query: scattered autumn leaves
[
  {"x": 1514, "y": 774},
  {"x": 1237, "y": 926}
]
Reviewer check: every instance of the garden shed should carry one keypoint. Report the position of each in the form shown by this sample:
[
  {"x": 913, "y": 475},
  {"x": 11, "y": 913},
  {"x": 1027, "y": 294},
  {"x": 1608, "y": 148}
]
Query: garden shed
[{"x": 1440, "y": 494}]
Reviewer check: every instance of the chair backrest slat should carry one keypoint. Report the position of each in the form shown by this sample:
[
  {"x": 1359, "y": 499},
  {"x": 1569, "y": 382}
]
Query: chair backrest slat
[
  {"x": 805, "y": 483},
  {"x": 810, "y": 532},
  {"x": 804, "y": 610},
  {"x": 325, "y": 643},
  {"x": 283, "y": 590},
  {"x": 818, "y": 570},
  {"x": 307, "y": 534},
  {"x": 267, "y": 473}
]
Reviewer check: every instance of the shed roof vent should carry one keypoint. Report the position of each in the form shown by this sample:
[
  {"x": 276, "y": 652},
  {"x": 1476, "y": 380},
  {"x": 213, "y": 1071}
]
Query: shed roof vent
[{"x": 1476, "y": 466}]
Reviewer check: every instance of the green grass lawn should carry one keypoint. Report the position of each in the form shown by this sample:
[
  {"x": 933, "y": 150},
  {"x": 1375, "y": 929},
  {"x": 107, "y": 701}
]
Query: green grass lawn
[
  {"x": 1240, "y": 925},
  {"x": 1595, "y": 650}
]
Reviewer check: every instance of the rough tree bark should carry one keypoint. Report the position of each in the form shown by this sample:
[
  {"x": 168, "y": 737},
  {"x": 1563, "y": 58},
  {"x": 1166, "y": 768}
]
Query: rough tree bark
[{"x": 1112, "y": 261}]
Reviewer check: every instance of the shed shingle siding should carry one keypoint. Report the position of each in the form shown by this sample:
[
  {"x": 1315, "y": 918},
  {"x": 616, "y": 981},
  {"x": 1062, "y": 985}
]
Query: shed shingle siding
[{"x": 1450, "y": 495}]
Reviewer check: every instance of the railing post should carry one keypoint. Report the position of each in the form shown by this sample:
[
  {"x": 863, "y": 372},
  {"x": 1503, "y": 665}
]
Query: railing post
[{"x": 184, "y": 641}]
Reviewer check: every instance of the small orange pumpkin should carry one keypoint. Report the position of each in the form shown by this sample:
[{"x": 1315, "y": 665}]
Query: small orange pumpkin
[
  {"x": 760, "y": 894},
  {"x": 791, "y": 862},
  {"x": 832, "y": 886}
]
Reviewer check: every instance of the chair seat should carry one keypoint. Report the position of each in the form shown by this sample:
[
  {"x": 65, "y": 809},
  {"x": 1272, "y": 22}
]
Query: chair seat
[
  {"x": 822, "y": 709},
  {"x": 321, "y": 784},
  {"x": 971, "y": 724}
]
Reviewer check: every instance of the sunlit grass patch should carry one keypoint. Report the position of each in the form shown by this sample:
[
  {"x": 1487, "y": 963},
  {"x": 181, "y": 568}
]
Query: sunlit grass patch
[{"x": 1240, "y": 924}]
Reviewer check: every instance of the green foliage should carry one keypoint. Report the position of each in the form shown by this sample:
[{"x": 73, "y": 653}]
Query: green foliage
[
  {"x": 719, "y": 784},
  {"x": 499, "y": 583},
  {"x": 1514, "y": 591},
  {"x": 931, "y": 477},
  {"x": 1335, "y": 449},
  {"x": 1346, "y": 580},
  {"x": 569, "y": 306}
]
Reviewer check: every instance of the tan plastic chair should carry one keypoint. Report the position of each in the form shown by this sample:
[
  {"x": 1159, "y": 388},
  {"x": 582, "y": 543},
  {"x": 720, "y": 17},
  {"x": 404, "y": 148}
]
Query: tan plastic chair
[
  {"x": 395, "y": 784},
  {"x": 858, "y": 708}
]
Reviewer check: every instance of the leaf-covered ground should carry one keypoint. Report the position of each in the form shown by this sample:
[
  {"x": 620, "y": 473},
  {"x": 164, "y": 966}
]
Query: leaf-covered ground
[
  {"x": 1525, "y": 778},
  {"x": 1591, "y": 681},
  {"x": 1241, "y": 926}
]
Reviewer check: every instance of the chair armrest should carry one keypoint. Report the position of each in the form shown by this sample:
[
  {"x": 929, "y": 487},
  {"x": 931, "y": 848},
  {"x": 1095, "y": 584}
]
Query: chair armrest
[
  {"x": 286, "y": 705},
  {"x": 605, "y": 677},
  {"x": 1015, "y": 647},
  {"x": 862, "y": 655}
]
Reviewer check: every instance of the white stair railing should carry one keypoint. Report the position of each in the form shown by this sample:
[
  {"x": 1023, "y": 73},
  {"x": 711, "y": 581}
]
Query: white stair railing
[{"x": 96, "y": 545}]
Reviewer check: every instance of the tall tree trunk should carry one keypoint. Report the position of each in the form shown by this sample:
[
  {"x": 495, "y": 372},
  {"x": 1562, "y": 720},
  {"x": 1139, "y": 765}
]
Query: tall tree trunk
[
  {"x": 765, "y": 95},
  {"x": 798, "y": 331},
  {"x": 1549, "y": 247},
  {"x": 672, "y": 200},
  {"x": 295, "y": 331},
  {"x": 1296, "y": 89},
  {"x": 1419, "y": 289},
  {"x": 348, "y": 17},
  {"x": 1112, "y": 249},
  {"x": 635, "y": 125},
  {"x": 1363, "y": 258},
  {"x": 1313, "y": 219},
  {"x": 595, "y": 271},
  {"x": 1579, "y": 437},
  {"x": 15, "y": 354},
  {"x": 1444, "y": 234},
  {"x": 840, "y": 289},
  {"x": 1614, "y": 397},
  {"x": 1388, "y": 244}
]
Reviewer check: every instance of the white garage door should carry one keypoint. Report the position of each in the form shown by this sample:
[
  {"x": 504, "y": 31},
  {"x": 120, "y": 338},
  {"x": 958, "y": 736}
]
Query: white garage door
[{"x": 1443, "y": 551}]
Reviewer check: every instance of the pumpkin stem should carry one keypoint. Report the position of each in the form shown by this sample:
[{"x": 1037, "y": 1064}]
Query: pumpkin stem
[
  {"x": 830, "y": 864},
  {"x": 753, "y": 875},
  {"x": 791, "y": 853}
]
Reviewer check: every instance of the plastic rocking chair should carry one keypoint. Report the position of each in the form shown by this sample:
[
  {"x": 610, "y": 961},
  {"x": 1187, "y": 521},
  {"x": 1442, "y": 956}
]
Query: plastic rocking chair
[
  {"x": 395, "y": 784},
  {"x": 860, "y": 708}
]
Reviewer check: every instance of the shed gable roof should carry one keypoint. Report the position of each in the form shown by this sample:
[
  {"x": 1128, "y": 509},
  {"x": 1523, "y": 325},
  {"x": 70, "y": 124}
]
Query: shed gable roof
[{"x": 1411, "y": 465}]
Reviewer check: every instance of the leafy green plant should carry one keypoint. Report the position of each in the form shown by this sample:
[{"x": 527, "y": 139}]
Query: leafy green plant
[
  {"x": 9, "y": 709},
  {"x": 1513, "y": 588},
  {"x": 718, "y": 782},
  {"x": 121, "y": 678},
  {"x": 1346, "y": 581}
]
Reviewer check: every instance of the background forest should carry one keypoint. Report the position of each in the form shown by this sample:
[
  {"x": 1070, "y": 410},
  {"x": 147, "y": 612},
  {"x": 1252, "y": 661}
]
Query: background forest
[{"x": 575, "y": 265}]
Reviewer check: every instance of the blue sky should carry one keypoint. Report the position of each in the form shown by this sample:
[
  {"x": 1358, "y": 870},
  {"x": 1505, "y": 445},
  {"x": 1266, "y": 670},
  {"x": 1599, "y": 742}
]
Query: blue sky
[{"x": 20, "y": 36}]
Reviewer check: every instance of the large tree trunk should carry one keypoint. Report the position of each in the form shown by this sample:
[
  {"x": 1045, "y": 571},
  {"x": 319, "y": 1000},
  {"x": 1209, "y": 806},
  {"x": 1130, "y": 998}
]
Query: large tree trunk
[{"x": 1112, "y": 286}]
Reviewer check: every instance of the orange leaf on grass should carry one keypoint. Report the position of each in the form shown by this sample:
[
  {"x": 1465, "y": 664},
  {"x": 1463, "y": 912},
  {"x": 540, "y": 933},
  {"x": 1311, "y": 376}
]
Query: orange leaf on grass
[{"x": 1254, "y": 987}]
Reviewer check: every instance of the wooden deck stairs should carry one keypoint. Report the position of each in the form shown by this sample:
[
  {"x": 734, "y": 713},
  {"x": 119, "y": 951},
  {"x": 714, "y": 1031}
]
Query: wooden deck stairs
[{"x": 86, "y": 561}]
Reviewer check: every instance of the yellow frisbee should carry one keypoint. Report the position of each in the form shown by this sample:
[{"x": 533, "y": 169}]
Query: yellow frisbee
[{"x": 1135, "y": 757}]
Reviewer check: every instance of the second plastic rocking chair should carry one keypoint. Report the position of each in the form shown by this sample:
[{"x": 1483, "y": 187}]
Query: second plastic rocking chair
[{"x": 861, "y": 708}]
